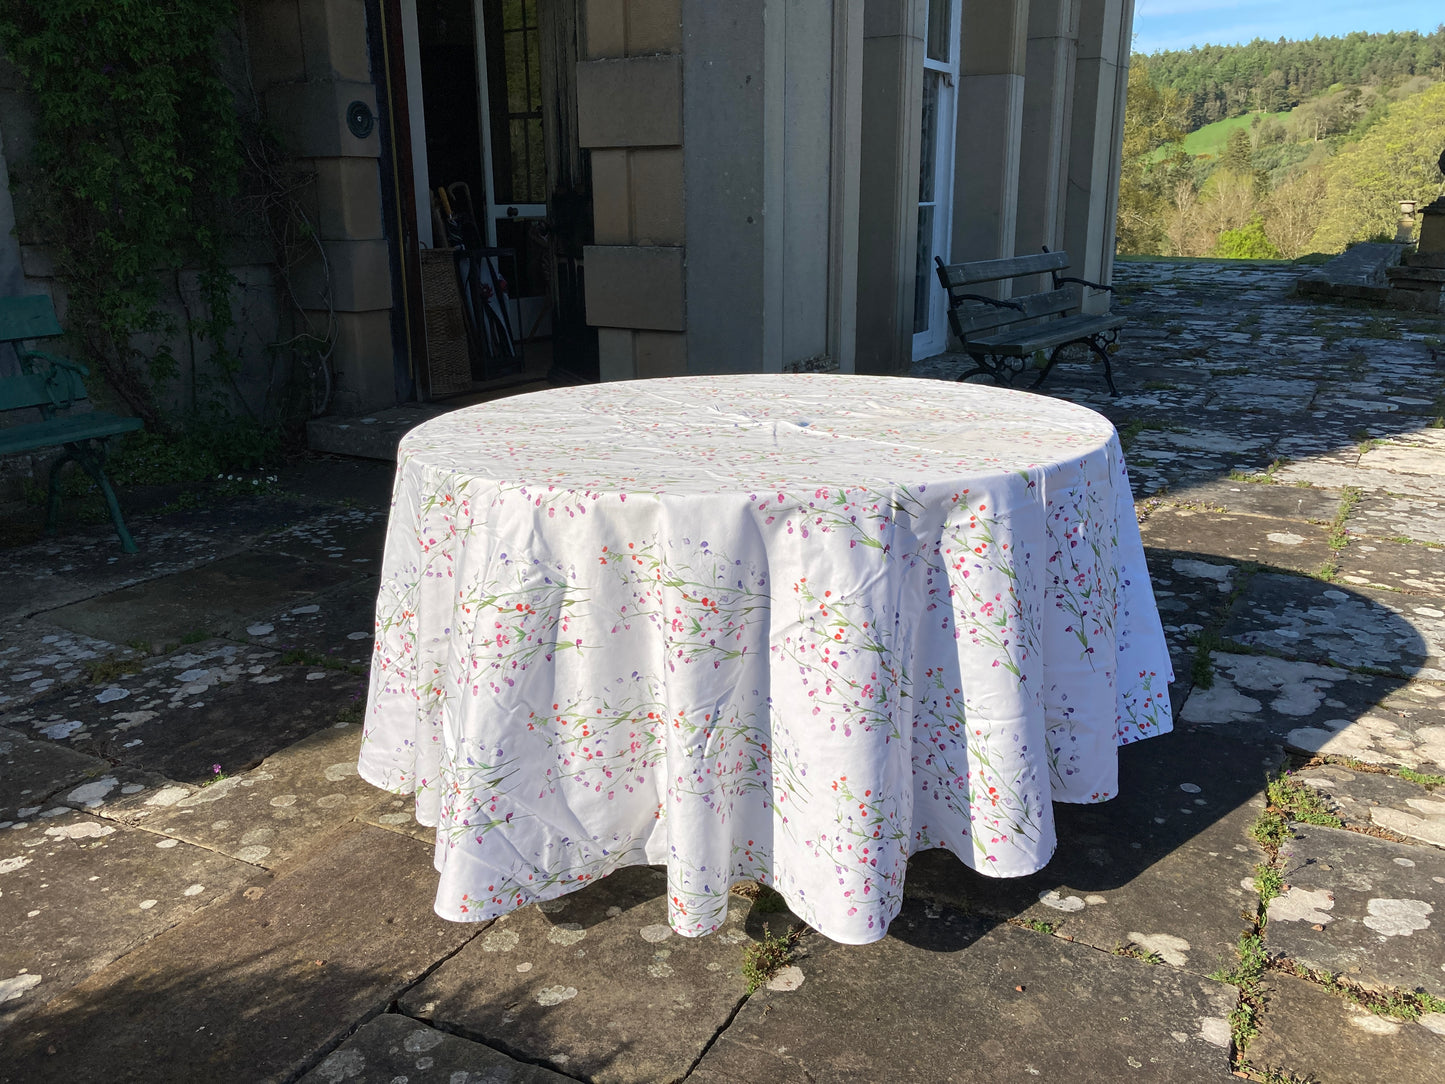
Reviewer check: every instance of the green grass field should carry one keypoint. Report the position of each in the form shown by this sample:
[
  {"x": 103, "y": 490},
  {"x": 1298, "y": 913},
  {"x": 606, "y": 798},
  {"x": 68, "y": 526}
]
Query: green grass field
[{"x": 1212, "y": 138}]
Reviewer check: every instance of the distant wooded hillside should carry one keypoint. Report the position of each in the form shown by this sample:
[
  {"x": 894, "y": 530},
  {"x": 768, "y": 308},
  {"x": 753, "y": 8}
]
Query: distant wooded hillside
[
  {"x": 1217, "y": 81},
  {"x": 1280, "y": 148}
]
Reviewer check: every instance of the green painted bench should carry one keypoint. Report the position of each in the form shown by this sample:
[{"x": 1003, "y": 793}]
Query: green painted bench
[{"x": 56, "y": 386}]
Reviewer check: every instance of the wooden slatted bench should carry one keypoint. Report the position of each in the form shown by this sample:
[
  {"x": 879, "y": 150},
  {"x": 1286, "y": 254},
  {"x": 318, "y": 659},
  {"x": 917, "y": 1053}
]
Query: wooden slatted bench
[
  {"x": 55, "y": 385},
  {"x": 1002, "y": 336}
]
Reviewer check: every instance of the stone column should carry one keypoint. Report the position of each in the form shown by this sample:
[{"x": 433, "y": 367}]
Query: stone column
[
  {"x": 892, "y": 100},
  {"x": 1096, "y": 140},
  {"x": 1048, "y": 96},
  {"x": 989, "y": 130},
  {"x": 629, "y": 112},
  {"x": 310, "y": 58},
  {"x": 770, "y": 148}
]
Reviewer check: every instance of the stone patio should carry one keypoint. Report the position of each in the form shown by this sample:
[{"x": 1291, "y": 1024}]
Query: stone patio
[{"x": 271, "y": 919}]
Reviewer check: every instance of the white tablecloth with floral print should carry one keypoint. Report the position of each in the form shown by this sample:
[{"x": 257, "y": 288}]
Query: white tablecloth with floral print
[{"x": 791, "y": 628}]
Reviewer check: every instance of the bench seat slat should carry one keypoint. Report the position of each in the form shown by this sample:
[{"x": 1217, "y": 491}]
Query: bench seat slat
[
  {"x": 1020, "y": 341},
  {"x": 64, "y": 430}
]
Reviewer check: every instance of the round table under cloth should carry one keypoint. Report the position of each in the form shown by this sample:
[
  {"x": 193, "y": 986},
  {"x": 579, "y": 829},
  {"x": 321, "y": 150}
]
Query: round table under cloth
[{"x": 791, "y": 628}]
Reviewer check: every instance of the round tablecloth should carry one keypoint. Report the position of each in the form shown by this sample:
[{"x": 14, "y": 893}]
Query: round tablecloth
[{"x": 790, "y": 628}]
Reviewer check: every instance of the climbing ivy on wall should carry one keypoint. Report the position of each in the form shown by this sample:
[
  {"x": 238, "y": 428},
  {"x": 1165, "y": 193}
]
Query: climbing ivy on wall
[{"x": 132, "y": 175}]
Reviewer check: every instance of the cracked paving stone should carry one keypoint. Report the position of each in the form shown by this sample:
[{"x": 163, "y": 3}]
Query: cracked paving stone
[
  {"x": 396, "y": 814},
  {"x": 1281, "y": 543},
  {"x": 871, "y": 1012},
  {"x": 1365, "y": 800},
  {"x": 270, "y": 814},
  {"x": 219, "y": 598},
  {"x": 77, "y": 892},
  {"x": 392, "y": 1048},
  {"x": 1308, "y": 1033},
  {"x": 1381, "y": 906},
  {"x": 1345, "y": 626},
  {"x": 32, "y": 771},
  {"x": 1162, "y": 863},
  {"x": 583, "y": 977},
  {"x": 258, "y": 986}
]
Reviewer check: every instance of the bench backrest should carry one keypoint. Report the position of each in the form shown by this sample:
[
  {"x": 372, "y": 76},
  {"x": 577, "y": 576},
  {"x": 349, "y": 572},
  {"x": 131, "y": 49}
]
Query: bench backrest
[
  {"x": 30, "y": 317},
  {"x": 958, "y": 275}
]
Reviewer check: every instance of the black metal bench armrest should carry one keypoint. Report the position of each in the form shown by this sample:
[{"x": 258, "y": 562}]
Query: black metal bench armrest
[{"x": 1082, "y": 282}]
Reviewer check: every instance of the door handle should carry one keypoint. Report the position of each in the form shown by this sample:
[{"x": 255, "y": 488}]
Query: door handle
[{"x": 512, "y": 212}]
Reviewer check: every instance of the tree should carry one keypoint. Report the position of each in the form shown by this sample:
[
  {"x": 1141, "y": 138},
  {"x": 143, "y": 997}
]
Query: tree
[
  {"x": 1248, "y": 242},
  {"x": 1237, "y": 152},
  {"x": 1151, "y": 122},
  {"x": 1394, "y": 161},
  {"x": 1292, "y": 213}
]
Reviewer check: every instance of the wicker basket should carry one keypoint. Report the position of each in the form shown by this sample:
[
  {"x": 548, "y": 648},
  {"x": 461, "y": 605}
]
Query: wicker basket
[{"x": 449, "y": 366}]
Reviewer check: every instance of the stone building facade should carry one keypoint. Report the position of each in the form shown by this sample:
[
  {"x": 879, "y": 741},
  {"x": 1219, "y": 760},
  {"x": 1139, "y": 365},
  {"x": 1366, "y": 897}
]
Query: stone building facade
[{"x": 691, "y": 186}]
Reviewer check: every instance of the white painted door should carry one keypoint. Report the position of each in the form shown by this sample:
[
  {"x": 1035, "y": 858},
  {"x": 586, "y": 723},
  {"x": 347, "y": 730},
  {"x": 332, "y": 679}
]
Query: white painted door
[
  {"x": 510, "y": 87},
  {"x": 935, "y": 174}
]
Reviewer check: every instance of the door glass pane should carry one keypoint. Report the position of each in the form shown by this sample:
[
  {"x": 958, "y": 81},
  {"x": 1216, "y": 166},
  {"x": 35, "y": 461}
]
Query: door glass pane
[
  {"x": 514, "y": 88},
  {"x": 940, "y": 18},
  {"x": 928, "y": 158},
  {"x": 923, "y": 277}
]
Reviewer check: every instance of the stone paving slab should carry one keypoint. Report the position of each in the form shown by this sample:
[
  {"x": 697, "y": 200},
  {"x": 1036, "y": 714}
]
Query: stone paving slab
[
  {"x": 36, "y": 658},
  {"x": 1367, "y": 801},
  {"x": 260, "y": 986},
  {"x": 1378, "y": 906},
  {"x": 351, "y": 538},
  {"x": 283, "y": 808},
  {"x": 218, "y": 598},
  {"x": 182, "y": 722},
  {"x": 1406, "y": 567},
  {"x": 1280, "y": 543},
  {"x": 338, "y": 625},
  {"x": 45, "y": 575},
  {"x": 1160, "y": 867},
  {"x": 1190, "y": 593},
  {"x": 594, "y": 984},
  {"x": 77, "y": 892},
  {"x": 394, "y": 1048},
  {"x": 396, "y": 814},
  {"x": 1315, "y": 1035},
  {"x": 31, "y": 771},
  {"x": 1399, "y": 517},
  {"x": 1345, "y": 626},
  {"x": 947, "y": 998},
  {"x": 1306, "y": 503}
]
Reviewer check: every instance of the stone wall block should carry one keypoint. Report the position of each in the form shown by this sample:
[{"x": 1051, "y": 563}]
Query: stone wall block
[
  {"x": 635, "y": 102},
  {"x": 611, "y": 197},
  {"x": 615, "y": 358},
  {"x": 606, "y": 23},
  {"x": 310, "y": 119},
  {"x": 362, "y": 360},
  {"x": 359, "y": 277},
  {"x": 273, "y": 32},
  {"x": 349, "y": 199},
  {"x": 660, "y": 353},
  {"x": 635, "y": 287},
  {"x": 654, "y": 26},
  {"x": 333, "y": 39},
  {"x": 657, "y": 196}
]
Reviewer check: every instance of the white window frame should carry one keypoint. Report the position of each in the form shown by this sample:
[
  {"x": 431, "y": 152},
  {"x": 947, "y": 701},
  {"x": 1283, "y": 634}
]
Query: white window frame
[{"x": 935, "y": 339}]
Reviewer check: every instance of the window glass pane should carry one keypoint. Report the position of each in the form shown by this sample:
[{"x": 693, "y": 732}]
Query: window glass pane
[
  {"x": 923, "y": 278},
  {"x": 512, "y": 14},
  {"x": 928, "y": 158},
  {"x": 534, "y": 71},
  {"x": 940, "y": 30},
  {"x": 516, "y": 73}
]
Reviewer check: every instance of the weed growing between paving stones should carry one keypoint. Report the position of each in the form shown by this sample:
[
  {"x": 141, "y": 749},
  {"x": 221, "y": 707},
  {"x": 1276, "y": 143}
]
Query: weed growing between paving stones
[
  {"x": 298, "y": 656},
  {"x": 107, "y": 670},
  {"x": 1339, "y": 533},
  {"x": 1038, "y": 925},
  {"x": 1300, "y": 802},
  {"x": 764, "y": 959},
  {"x": 1134, "y": 952},
  {"x": 1208, "y": 640},
  {"x": 1407, "y": 1005},
  {"x": 1424, "y": 779}
]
